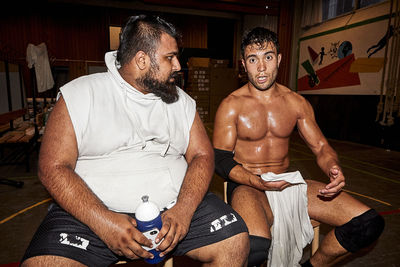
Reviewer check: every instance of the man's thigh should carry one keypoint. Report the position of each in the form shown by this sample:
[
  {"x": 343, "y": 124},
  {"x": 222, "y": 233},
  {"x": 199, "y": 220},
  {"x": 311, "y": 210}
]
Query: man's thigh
[
  {"x": 334, "y": 211},
  {"x": 62, "y": 236},
  {"x": 213, "y": 222},
  {"x": 253, "y": 206}
]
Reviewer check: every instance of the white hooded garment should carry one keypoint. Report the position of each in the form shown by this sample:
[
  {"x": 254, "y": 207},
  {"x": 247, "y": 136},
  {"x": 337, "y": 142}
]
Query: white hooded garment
[{"x": 130, "y": 144}]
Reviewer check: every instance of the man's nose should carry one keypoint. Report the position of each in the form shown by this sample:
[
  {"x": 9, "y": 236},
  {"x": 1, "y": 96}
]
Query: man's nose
[
  {"x": 176, "y": 65},
  {"x": 262, "y": 66}
]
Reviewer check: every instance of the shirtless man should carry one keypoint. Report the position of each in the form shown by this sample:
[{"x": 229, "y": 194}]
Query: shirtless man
[{"x": 251, "y": 137}]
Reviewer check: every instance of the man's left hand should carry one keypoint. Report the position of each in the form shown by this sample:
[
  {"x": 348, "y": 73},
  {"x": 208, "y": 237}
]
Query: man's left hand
[
  {"x": 176, "y": 224},
  {"x": 336, "y": 182}
]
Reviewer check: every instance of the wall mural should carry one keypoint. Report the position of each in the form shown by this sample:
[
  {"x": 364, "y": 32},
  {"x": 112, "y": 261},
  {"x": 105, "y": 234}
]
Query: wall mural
[{"x": 346, "y": 60}]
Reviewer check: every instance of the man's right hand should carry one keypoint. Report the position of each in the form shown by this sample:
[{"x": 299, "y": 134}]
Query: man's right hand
[
  {"x": 118, "y": 231},
  {"x": 257, "y": 182}
]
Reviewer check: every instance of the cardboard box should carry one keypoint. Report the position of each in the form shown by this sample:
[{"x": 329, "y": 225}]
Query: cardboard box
[
  {"x": 198, "y": 87},
  {"x": 196, "y": 78},
  {"x": 205, "y": 118},
  {"x": 199, "y": 62},
  {"x": 219, "y": 63},
  {"x": 200, "y": 96},
  {"x": 198, "y": 71},
  {"x": 206, "y": 62},
  {"x": 223, "y": 81},
  {"x": 203, "y": 106}
]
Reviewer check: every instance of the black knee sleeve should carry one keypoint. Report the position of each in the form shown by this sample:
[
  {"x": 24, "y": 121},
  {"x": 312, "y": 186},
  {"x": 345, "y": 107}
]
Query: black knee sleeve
[
  {"x": 361, "y": 231},
  {"x": 259, "y": 247}
]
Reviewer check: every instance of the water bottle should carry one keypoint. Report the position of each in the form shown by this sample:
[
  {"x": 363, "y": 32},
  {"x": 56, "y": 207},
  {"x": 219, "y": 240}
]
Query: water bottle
[{"x": 149, "y": 222}]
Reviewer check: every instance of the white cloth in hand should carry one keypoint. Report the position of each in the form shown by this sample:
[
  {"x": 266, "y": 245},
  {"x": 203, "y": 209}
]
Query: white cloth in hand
[{"x": 292, "y": 229}]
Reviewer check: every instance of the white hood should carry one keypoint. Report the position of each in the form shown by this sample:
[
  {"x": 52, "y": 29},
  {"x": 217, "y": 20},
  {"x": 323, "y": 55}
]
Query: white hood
[
  {"x": 133, "y": 94},
  {"x": 112, "y": 65}
]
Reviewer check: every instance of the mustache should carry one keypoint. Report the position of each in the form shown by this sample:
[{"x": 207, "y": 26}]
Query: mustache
[{"x": 173, "y": 75}]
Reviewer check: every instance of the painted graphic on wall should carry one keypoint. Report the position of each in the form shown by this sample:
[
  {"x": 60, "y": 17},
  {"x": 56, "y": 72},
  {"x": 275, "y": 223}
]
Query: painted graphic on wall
[
  {"x": 334, "y": 75},
  {"x": 347, "y": 60}
]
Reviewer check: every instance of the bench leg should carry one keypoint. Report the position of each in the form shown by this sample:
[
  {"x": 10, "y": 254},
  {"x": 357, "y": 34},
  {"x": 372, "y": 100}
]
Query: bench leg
[
  {"x": 27, "y": 157},
  {"x": 169, "y": 262},
  {"x": 315, "y": 242}
]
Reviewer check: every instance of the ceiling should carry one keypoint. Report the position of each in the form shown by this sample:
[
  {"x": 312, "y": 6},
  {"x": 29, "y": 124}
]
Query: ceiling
[
  {"x": 255, "y": 7},
  {"x": 259, "y": 7}
]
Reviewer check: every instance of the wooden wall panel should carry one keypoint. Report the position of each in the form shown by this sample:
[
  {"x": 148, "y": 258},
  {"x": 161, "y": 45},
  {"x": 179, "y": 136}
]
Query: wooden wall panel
[
  {"x": 285, "y": 40},
  {"x": 192, "y": 28},
  {"x": 72, "y": 33},
  {"x": 194, "y": 32}
]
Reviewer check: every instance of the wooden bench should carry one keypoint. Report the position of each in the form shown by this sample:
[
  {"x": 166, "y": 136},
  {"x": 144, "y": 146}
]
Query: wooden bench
[{"x": 17, "y": 138}]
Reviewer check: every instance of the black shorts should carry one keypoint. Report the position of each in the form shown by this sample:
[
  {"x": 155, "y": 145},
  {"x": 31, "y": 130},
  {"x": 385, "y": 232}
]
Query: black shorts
[{"x": 60, "y": 234}]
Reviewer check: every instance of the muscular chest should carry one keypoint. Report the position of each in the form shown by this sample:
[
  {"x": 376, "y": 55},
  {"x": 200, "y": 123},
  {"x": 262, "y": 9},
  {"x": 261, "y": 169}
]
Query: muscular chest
[{"x": 263, "y": 121}]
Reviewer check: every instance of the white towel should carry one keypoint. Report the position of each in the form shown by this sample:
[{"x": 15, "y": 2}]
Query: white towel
[{"x": 292, "y": 229}]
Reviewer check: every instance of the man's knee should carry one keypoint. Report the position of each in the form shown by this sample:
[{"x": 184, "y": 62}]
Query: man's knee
[
  {"x": 232, "y": 251},
  {"x": 259, "y": 247},
  {"x": 361, "y": 231},
  {"x": 49, "y": 260}
]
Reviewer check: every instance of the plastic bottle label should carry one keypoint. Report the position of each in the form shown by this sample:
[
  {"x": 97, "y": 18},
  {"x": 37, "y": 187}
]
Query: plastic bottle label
[{"x": 151, "y": 234}]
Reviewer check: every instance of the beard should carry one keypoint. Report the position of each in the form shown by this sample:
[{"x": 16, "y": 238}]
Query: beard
[{"x": 166, "y": 90}]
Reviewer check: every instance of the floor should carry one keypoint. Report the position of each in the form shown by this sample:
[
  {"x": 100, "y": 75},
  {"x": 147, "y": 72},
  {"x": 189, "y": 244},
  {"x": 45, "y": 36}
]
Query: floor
[{"x": 373, "y": 176}]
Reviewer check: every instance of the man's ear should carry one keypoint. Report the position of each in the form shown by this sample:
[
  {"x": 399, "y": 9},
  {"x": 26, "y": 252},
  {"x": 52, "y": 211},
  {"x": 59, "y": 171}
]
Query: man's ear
[
  {"x": 279, "y": 59},
  {"x": 142, "y": 60},
  {"x": 244, "y": 65}
]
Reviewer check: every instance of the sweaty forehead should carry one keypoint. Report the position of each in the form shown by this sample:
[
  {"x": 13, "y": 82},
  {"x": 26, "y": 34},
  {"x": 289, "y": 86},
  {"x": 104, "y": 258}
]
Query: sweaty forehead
[{"x": 259, "y": 48}]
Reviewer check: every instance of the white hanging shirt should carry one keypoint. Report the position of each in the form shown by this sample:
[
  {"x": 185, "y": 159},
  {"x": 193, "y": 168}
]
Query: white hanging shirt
[
  {"x": 37, "y": 56},
  {"x": 292, "y": 229}
]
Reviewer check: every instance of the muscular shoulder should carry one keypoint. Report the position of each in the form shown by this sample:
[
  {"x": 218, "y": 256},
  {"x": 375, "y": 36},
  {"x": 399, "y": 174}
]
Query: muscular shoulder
[
  {"x": 298, "y": 104},
  {"x": 295, "y": 100},
  {"x": 234, "y": 102}
]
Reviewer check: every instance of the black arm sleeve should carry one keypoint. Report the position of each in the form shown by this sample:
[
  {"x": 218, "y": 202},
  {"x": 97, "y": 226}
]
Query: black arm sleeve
[{"x": 224, "y": 163}]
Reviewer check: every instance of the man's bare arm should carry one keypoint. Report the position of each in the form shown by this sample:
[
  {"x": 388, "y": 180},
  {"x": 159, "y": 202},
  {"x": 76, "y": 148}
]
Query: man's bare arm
[
  {"x": 57, "y": 160},
  {"x": 327, "y": 158},
  {"x": 225, "y": 137},
  {"x": 200, "y": 158}
]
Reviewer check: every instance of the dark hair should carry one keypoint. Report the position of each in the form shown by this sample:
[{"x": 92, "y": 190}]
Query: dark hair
[
  {"x": 143, "y": 33},
  {"x": 259, "y": 36}
]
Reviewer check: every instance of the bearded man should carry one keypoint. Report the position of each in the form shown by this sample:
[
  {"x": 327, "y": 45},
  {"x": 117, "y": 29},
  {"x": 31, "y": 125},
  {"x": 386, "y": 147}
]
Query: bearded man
[{"x": 116, "y": 136}]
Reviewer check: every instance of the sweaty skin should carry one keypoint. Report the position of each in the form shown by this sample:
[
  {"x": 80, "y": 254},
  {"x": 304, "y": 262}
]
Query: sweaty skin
[{"x": 255, "y": 122}]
